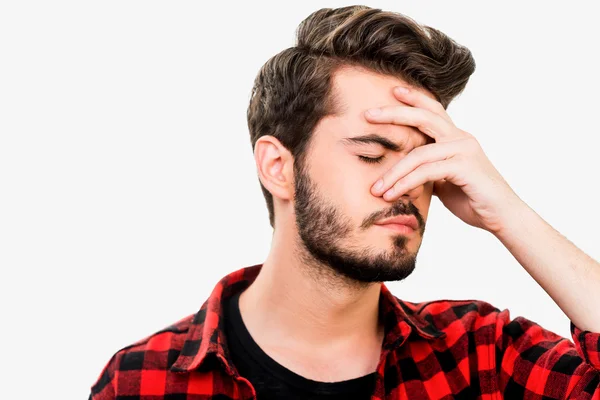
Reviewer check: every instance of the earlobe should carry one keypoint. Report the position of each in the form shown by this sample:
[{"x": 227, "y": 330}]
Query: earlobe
[{"x": 273, "y": 163}]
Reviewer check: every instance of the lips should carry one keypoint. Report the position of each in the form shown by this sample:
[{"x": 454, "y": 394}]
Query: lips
[{"x": 408, "y": 220}]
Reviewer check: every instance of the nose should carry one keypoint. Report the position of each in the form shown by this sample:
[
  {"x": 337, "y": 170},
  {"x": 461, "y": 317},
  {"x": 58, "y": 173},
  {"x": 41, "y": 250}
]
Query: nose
[{"x": 413, "y": 194}]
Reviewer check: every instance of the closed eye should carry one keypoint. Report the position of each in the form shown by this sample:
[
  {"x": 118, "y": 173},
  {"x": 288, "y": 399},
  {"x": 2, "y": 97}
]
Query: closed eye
[{"x": 371, "y": 160}]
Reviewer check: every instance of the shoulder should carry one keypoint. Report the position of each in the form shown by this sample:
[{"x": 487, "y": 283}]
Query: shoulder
[
  {"x": 468, "y": 314},
  {"x": 459, "y": 307},
  {"x": 157, "y": 351}
]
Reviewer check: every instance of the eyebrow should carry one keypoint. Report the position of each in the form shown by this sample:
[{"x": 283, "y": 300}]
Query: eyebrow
[{"x": 372, "y": 138}]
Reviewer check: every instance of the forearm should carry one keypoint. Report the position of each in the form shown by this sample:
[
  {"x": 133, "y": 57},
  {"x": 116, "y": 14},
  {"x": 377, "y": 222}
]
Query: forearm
[{"x": 567, "y": 274}]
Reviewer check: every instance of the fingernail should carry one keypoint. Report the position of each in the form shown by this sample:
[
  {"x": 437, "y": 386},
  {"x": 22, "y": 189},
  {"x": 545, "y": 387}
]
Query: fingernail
[
  {"x": 374, "y": 111},
  {"x": 378, "y": 185}
]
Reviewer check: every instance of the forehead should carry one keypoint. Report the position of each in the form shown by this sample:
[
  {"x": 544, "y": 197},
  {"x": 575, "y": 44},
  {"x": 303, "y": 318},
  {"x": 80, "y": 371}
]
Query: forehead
[
  {"x": 357, "y": 89},
  {"x": 361, "y": 88}
]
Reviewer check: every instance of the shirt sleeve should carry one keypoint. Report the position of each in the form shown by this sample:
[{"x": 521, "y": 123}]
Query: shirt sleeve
[
  {"x": 533, "y": 362},
  {"x": 103, "y": 388}
]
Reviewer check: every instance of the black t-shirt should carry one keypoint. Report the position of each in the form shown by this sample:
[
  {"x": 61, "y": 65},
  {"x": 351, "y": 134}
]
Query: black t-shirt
[{"x": 271, "y": 379}]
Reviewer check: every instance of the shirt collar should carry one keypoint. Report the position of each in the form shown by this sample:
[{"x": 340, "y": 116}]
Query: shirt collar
[{"x": 206, "y": 334}]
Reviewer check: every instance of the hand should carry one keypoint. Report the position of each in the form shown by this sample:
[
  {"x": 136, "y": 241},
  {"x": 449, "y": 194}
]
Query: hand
[{"x": 464, "y": 178}]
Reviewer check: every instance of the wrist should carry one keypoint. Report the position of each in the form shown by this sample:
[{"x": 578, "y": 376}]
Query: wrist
[{"x": 516, "y": 220}]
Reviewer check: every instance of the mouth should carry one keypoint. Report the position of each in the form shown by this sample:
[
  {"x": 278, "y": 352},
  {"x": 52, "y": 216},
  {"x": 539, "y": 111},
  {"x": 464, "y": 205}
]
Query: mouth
[
  {"x": 400, "y": 228},
  {"x": 408, "y": 221}
]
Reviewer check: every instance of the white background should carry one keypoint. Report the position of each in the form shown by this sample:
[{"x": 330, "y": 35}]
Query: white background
[{"x": 128, "y": 186}]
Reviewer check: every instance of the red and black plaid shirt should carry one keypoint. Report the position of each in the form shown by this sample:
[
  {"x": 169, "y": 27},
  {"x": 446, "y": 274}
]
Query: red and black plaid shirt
[{"x": 446, "y": 349}]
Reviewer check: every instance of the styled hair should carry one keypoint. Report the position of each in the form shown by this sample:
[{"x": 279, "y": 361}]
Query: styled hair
[{"x": 293, "y": 90}]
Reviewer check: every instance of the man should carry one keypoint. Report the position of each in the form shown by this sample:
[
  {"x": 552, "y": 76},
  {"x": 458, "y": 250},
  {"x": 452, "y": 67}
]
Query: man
[{"x": 328, "y": 118}]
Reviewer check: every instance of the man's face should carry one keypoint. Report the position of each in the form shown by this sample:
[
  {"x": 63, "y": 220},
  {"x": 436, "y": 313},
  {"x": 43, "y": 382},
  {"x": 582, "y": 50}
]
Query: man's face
[{"x": 336, "y": 213}]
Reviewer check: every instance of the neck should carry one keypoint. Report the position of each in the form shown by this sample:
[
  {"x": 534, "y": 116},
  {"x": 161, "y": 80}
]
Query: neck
[{"x": 295, "y": 303}]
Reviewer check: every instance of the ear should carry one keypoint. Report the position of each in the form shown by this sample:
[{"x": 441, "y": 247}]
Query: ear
[{"x": 274, "y": 164}]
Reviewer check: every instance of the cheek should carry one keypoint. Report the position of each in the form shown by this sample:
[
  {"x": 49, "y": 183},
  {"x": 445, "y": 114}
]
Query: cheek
[
  {"x": 347, "y": 182},
  {"x": 348, "y": 190},
  {"x": 353, "y": 195}
]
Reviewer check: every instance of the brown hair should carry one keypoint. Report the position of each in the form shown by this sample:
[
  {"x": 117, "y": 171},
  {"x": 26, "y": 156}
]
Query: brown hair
[{"x": 292, "y": 90}]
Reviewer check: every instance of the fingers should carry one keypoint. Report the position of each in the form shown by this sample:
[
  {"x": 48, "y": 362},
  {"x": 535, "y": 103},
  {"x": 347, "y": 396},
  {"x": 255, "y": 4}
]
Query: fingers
[
  {"x": 424, "y": 173},
  {"x": 418, "y": 99},
  {"x": 421, "y": 155},
  {"x": 424, "y": 120}
]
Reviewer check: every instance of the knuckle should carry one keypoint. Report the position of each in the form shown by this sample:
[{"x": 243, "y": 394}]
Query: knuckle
[
  {"x": 457, "y": 160},
  {"x": 437, "y": 169},
  {"x": 476, "y": 145},
  {"x": 472, "y": 144}
]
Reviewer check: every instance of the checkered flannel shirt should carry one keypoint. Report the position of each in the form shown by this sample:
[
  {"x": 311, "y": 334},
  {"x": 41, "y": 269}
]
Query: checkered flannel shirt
[{"x": 445, "y": 349}]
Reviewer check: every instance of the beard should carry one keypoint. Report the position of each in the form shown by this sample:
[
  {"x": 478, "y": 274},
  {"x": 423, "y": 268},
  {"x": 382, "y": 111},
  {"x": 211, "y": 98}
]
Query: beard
[{"x": 326, "y": 242}]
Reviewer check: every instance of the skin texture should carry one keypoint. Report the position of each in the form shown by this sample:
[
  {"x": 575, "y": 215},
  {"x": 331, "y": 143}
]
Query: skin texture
[
  {"x": 313, "y": 307},
  {"x": 317, "y": 293},
  {"x": 335, "y": 215}
]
